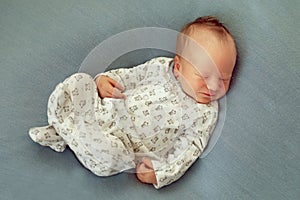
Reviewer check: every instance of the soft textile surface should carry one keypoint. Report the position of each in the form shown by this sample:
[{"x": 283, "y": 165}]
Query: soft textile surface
[{"x": 257, "y": 156}]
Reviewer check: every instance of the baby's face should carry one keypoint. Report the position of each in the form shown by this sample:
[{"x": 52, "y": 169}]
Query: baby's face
[{"x": 207, "y": 76}]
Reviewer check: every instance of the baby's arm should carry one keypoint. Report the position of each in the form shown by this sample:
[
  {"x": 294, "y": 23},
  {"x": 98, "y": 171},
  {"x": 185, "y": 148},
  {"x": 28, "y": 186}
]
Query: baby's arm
[
  {"x": 177, "y": 162},
  {"x": 113, "y": 82},
  {"x": 186, "y": 150},
  {"x": 118, "y": 80}
]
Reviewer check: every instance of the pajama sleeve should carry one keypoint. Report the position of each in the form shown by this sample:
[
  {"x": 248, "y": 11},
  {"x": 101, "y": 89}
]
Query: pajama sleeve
[
  {"x": 186, "y": 150},
  {"x": 131, "y": 77}
]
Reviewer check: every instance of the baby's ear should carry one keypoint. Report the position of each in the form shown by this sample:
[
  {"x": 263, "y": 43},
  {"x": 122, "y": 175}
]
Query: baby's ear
[{"x": 176, "y": 69}]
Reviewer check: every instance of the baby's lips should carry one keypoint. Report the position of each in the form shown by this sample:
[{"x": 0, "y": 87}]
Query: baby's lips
[{"x": 206, "y": 94}]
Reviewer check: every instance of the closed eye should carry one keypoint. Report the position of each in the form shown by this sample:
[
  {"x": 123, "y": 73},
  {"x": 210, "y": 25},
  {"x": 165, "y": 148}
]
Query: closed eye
[{"x": 202, "y": 76}]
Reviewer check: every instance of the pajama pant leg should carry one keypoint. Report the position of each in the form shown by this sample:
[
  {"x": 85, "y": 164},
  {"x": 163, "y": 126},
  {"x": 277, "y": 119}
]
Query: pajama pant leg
[{"x": 71, "y": 111}]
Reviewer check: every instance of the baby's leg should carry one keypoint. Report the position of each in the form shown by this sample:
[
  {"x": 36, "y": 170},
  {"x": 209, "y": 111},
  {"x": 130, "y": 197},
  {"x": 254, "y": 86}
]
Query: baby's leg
[
  {"x": 71, "y": 111},
  {"x": 75, "y": 90},
  {"x": 46, "y": 136},
  {"x": 101, "y": 153},
  {"x": 72, "y": 100}
]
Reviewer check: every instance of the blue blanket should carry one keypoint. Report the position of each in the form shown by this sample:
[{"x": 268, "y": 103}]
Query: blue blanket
[{"x": 258, "y": 154}]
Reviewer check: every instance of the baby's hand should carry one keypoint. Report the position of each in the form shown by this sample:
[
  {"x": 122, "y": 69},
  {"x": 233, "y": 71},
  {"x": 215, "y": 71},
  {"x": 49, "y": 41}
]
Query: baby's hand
[
  {"x": 108, "y": 87},
  {"x": 145, "y": 172}
]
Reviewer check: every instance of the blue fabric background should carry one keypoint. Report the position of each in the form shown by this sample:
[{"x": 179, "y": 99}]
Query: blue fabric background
[{"x": 258, "y": 154}]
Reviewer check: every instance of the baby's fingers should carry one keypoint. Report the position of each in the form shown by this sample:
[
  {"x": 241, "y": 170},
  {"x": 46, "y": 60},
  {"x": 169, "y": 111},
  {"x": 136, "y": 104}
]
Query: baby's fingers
[
  {"x": 145, "y": 175},
  {"x": 109, "y": 88},
  {"x": 115, "y": 89},
  {"x": 141, "y": 172},
  {"x": 116, "y": 93},
  {"x": 115, "y": 84},
  {"x": 111, "y": 92},
  {"x": 147, "y": 162}
]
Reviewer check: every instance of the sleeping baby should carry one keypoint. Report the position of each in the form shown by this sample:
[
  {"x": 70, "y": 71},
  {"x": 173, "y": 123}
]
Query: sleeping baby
[{"x": 156, "y": 117}]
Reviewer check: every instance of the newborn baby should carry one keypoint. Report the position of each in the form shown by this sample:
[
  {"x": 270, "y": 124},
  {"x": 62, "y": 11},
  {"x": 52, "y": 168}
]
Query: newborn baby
[{"x": 156, "y": 117}]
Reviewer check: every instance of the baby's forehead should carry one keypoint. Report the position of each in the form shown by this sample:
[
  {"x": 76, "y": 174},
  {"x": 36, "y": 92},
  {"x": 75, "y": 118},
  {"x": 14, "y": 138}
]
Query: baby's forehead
[{"x": 206, "y": 36}]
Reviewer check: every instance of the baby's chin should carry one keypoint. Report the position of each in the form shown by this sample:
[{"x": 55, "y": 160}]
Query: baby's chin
[
  {"x": 202, "y": 100},
  {"x": 199, "y": 99},
  {"x": 206, "y": 100}
]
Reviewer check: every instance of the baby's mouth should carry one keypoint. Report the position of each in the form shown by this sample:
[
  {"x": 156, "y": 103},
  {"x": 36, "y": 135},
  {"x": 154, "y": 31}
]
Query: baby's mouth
[{"x": 208, "y": 94}]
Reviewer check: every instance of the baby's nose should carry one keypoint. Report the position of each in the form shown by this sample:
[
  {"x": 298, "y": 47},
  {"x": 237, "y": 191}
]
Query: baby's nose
[{"x": 212, "y": 85}]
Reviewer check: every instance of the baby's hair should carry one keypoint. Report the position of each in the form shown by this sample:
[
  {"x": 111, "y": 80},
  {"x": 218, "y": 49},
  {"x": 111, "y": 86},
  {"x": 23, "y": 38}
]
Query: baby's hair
[{"x": 208, "y": 22}]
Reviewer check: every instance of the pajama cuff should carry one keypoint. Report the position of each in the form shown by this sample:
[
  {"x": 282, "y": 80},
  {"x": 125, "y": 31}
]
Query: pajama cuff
[
  {"x": 97, "y": 76},
  {"x": 158, "y": 174}
]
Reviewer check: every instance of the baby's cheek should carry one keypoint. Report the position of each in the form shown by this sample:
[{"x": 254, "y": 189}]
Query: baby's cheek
[
  {"x": 226, "y": 86},
  {"x": 223, "y": 89},
  {"x": 200, "y": 83}
]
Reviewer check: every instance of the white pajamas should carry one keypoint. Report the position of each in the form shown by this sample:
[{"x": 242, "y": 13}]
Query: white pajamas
[{"x": 156, "y": 120}]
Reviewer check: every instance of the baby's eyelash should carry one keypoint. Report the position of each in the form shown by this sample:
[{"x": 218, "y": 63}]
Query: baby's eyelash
[
  {"x": 206, "y": 77},
  {"x": 202, "y": 76}
]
